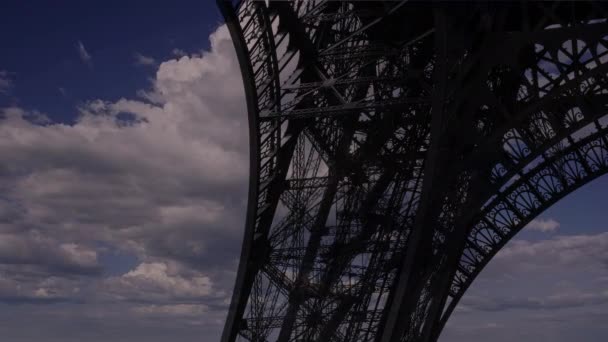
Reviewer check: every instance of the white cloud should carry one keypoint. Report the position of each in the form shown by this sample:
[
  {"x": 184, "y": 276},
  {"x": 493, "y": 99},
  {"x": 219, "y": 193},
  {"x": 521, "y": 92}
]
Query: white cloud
[
  {"x": 555, "y": 301},
  {"x": 562, "y": 250},
  {"x": 5, "y": 82},
  {"x": 554, "y": 285},
  {"x": 543, "y": 225},
  {"x": 158, "y": 281},
  {"x": 84, "y": 54},
  {"x": 33, "y": 248},
  {"x": 561, "y": 272},
  {"x": 187, "y": 151},
  {"x": 178, "y": 52},
  {"x": 144, "y": 60},
  {"x": 193, "y": 310},
  {"x": 162, "y": 179},
  {"x": 50, "y": 289}
]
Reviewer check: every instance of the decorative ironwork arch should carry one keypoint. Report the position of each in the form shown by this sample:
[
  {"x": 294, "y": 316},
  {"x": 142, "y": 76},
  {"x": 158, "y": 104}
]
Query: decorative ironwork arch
[
  {"x": 395, "y": 147},
  {"x": 552, "y": 179}
]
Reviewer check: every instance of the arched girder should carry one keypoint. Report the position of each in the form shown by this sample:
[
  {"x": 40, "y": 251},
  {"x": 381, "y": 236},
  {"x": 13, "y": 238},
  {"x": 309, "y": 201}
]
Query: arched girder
[
  {"x": 472, "y": 150},
  {"x": 569, "y": 118},
  {"x": 374, "y": 148},
  {"x": 532, "y": 193},
  {"x": 266, "y": 285}
]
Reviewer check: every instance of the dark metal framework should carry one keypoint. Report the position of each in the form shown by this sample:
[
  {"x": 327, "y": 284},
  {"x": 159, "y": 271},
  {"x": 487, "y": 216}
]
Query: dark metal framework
[{"x": 396, "y": 147}]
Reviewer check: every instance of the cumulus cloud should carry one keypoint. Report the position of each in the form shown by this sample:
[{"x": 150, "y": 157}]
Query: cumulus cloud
[
  {"x": 543, "y": 225},
  {"x": 567, "y": 272},
  {"x": 5, "y": 82},
  {"x": 144, "y": 60},
  {"x": 538, "y": 290},
  {"x": 32, "y": 248},
  {"x": 178, "y": 52},
  {"x": 21, "y": 284},
  {"x": 194, "y": 310},
  {"x": 84, "y": 54},
  {"x": 158, "y": 281},
  {"x": 551, "y": 302},
  {"x": 161, "y": 178},
  {"x": 560, "y": 250}
]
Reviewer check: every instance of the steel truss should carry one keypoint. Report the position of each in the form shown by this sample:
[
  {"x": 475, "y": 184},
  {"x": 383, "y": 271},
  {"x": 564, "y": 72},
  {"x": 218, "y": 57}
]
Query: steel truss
[{"x": 396, "y": 147}]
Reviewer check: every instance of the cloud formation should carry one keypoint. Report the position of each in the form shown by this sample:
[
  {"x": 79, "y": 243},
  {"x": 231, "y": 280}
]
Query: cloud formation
[
  {"x": 178, "y": 52},
  {"x": 548, "y": 289},
  {"x": 551, "y": 302},
  {"x": 85, "y": 57},
  {"x": 558, "y": 251},
  {"x": 161, "y": 178},
  {"x": 5, "y": 82},
  {"x": 144, "y": 60},
  {"x": 543, "y": 225},
  {"x": 159, "y": 282},
  {"x": 31, "y": 248}
]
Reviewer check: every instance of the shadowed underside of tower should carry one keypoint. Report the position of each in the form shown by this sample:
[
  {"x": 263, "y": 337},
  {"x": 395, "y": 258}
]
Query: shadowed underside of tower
[{"x": 396, "y": 147}]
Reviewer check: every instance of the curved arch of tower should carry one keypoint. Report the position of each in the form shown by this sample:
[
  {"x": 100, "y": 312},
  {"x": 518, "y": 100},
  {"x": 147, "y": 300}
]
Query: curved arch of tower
[{"x": 396, "y": 147}]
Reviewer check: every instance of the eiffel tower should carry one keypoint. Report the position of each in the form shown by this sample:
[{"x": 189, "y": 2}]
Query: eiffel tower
[{"x": 396, "y": 147}]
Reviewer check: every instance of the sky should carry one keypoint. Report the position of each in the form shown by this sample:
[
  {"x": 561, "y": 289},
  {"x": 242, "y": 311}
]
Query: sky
[{"x": 123, "y": 188}]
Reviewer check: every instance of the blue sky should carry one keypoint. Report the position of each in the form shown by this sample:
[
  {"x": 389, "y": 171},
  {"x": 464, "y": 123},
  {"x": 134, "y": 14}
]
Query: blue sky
[
  {"x": 42, "y": 40},
  {"x": 130, "y": 230}
]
